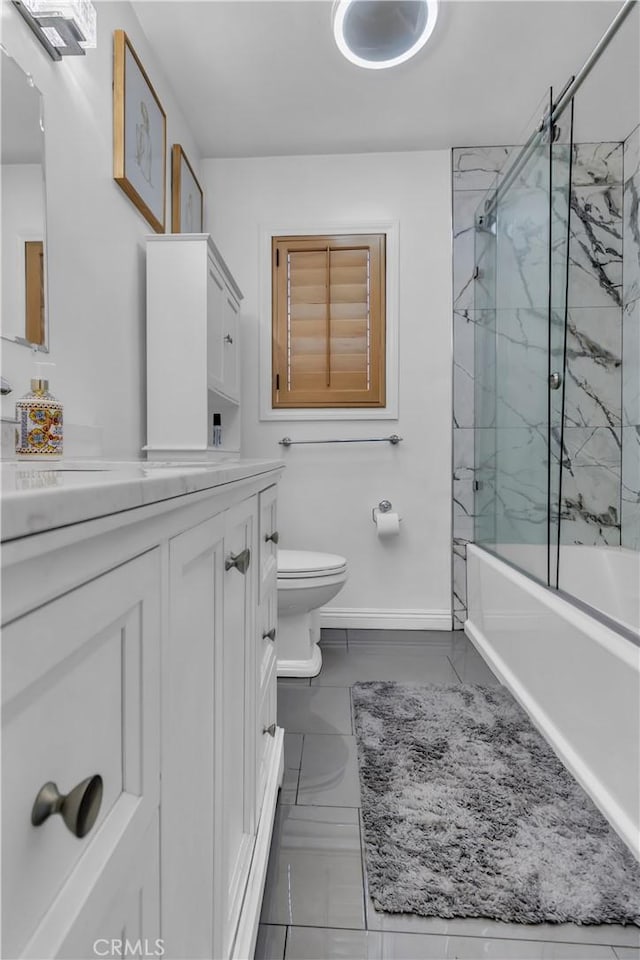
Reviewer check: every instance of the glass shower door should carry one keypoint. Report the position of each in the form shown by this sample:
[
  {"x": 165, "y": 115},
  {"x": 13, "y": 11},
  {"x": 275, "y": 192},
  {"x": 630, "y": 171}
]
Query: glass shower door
[{"x": 512, "y": 359}]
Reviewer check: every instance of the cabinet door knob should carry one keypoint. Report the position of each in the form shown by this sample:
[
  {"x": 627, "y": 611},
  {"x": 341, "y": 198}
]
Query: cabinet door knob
[
  {"x": 270, "y": 634},
  {"x": 79, "y": 808},
  {"x": 271, "y": 729},
  {"x": 241, "y": 561},
  {"x": 228, "y": 338},
  {"x": 274, "y": 537}
]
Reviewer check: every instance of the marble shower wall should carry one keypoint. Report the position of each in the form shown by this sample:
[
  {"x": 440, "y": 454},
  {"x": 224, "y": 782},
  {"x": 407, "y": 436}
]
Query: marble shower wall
[
  {"x": 591, "y": 456},
  {"x": 631, "y": 343}
]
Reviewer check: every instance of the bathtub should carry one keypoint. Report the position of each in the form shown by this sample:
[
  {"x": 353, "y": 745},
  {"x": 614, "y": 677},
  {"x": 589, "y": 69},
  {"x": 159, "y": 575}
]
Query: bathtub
[{"x": 576, "y": 677}]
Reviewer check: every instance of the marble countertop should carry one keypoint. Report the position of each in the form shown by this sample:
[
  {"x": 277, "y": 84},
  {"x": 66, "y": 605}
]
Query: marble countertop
[{"x": 43, "y": 495}]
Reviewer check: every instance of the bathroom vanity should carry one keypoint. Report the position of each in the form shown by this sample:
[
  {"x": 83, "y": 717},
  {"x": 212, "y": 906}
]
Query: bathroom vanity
[{"x": 138, "y": 666}]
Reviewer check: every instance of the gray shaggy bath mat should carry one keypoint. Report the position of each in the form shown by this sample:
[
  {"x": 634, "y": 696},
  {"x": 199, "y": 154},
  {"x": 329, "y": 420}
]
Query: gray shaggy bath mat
[{"x": 468, "y": 813}]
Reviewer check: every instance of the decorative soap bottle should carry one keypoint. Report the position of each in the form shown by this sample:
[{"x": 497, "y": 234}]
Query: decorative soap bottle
[{"x": 39, "y": 416}]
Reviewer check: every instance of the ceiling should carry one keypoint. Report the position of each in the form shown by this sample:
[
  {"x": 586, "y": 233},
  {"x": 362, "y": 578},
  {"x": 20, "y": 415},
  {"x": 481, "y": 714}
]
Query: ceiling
[{"x": 264, "y": 77}]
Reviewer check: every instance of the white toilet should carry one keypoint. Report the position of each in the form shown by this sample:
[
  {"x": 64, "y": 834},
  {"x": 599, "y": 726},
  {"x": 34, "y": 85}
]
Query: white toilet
[{"x": 306, "y": 581}]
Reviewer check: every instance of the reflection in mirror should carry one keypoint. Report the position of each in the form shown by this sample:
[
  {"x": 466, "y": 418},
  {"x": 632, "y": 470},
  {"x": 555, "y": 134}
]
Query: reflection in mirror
[{"x": 24, "y": 308}]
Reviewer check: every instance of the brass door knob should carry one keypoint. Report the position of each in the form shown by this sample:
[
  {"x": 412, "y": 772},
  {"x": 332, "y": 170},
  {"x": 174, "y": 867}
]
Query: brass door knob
[
  {"x": 79, "y": 808},
  {"x": 270, "y": 634},
  {"x": 271, "y": 729},
  {"x": 241, "y": 561},
  {"x": 274, "y": 537}
]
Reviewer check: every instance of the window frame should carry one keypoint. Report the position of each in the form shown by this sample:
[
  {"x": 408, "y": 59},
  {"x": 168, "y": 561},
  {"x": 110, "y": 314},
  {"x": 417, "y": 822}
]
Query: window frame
[{"x": 390, "y": 228}]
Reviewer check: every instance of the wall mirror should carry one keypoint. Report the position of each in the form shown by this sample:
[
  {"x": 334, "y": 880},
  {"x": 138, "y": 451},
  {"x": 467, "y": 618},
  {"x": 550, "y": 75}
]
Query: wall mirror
[{"x": 24, "y": 303}]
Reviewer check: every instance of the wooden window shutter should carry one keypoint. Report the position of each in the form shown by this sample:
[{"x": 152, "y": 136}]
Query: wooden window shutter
[{"x": 329, "y": 321}]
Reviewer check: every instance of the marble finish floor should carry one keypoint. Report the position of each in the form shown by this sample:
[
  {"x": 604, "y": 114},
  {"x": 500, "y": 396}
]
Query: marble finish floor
[{"x": 316, "y": 905}]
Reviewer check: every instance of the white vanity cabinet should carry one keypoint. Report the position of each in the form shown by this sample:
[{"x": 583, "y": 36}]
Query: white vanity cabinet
[
  {"x": 193, "y": 308},
  {"x": 133, "y": 649}
]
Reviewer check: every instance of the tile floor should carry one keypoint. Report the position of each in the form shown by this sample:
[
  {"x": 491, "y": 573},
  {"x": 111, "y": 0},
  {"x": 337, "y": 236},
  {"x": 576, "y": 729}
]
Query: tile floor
[{"x": 316, "y": 905}]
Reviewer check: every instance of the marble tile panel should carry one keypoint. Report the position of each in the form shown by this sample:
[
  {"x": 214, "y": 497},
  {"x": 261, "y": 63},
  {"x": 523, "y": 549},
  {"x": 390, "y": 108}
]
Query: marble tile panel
[
  {"x": 522, "y": 368},
  {"x": 597, "y": 164},
  {"x": 591, "y": 478},
  {"x": 631, "y": 239},
  {"x": 404, "y": 663},
  {"x": 521, "y": 485},
  {"x": 314, "y": 709},
  {"x": 459, "y": 574},
  {"x": 631, "y": 363},
  {"x": 463, "y": 367},
  {"x": 630, "y": 526},
  {"x": 329, "y": 771},
  {"x": 522, "y": 249},
  {"x": 270, "y": 942},
  {"x": 595, "y": 248},
  {"x": 476, "y": 168},
  {"x": 465, "y": 254},
  {"x": 594, "y": 367},
  {"x": 631, "y": 150},
  {"x": 463, "y": 476},
  {"x": 314, "y": 877}
]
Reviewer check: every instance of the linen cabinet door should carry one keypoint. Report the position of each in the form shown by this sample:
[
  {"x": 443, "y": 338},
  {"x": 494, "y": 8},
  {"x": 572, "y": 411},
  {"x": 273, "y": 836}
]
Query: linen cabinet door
[
  {"x": 215, "y": 327},
  {"x": 236, "y": 720},
  {"x": 80, "y": 701},
  {"x": 231, "y": 345},
  {"x": 190, "y": 700}
]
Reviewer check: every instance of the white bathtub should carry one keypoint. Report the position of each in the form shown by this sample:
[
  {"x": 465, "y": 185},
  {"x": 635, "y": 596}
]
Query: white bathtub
[
  {"x": 607, "y": 578},
  {"x": 578, "y": 680}
]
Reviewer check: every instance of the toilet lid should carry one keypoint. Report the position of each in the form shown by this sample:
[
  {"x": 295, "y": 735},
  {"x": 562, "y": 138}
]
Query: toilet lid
[{"x": 299, "y": 563}]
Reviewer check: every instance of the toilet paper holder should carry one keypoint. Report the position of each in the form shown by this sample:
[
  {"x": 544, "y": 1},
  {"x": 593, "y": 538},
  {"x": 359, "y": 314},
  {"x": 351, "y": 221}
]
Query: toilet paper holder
[{"x": 383, "y": 507}]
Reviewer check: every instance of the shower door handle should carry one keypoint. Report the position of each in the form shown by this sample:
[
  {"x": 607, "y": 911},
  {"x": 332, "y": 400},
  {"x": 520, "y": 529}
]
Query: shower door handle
[{"x": 555, "y": 381}]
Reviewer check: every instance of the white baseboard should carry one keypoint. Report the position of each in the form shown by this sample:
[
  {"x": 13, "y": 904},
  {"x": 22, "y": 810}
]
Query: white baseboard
[{"x": 376, "y": 618}]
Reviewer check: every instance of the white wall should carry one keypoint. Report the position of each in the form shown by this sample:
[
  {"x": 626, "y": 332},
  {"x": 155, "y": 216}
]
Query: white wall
[
  {"x": 328, "y": 491},
  {"x": 95, "y": 236}
]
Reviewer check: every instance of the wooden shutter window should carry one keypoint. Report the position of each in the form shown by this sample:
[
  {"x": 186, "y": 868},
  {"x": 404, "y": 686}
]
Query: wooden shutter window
[{"x": 329, "y": 321}]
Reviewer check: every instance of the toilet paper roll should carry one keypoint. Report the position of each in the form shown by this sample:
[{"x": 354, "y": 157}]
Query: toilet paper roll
[{"x": 388, "y": 524}]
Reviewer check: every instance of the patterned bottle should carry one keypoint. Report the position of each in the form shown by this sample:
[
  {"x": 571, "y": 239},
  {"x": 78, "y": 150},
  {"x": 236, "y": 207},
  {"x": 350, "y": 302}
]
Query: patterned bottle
[{"x": 39, "y": 430}]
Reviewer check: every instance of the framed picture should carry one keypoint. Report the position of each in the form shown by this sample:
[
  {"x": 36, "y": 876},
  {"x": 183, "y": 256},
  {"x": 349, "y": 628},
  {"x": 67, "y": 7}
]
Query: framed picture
[
  {"x": 187, "y": 198},
  {"x": 139, "y": 134}
]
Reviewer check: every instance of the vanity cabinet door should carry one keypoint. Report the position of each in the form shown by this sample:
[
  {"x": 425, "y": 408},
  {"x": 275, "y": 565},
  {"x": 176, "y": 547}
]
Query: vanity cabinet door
[
  {"x": 269, "y": 538},
  {"x": 80, "y": 697},
  {"x": 236, "y": 719},
  {"x": 192, "y": 682}
]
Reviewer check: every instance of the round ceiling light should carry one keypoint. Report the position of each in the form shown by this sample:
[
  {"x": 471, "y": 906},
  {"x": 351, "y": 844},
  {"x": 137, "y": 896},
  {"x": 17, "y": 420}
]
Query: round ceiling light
[{"x": 382, "y": 33}]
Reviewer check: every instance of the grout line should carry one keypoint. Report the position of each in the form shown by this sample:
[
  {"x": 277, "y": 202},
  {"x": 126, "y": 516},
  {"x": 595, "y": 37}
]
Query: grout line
[{"x": 362, "y": 867}]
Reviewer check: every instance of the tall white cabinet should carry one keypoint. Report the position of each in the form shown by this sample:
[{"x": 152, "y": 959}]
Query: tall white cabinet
[
  {"x": 193, "y": 344},
  {"x": 134, "y": 650}
]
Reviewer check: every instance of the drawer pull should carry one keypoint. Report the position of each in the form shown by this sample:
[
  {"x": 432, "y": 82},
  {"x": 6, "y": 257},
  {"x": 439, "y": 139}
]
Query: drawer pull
[
  {"x": 270, "y": 634},
  {"x": 274, "y": 537},
  {"x": 241, "y": 561},
  {"x": 79, "y": 808},
  {"x": 271, "y": 729}
]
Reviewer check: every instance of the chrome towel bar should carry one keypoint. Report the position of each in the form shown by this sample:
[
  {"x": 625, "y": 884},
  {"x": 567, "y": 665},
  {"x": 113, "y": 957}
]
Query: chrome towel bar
[{"x": 393, "y": 439}]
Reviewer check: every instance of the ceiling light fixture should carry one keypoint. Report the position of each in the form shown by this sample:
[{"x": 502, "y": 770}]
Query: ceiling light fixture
[
  {"x": 376, "y": 34},
  {"x": 63, "y": 27}
]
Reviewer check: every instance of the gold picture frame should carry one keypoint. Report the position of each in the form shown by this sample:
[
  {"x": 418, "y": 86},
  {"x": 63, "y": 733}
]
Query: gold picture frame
[
  {"x": 187, "y": 214},
  {"x": 139, "y": 134}
]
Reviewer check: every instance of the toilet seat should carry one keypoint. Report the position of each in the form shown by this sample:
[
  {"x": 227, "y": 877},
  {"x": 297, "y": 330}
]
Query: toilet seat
[{"x": 303, "y": 564}]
